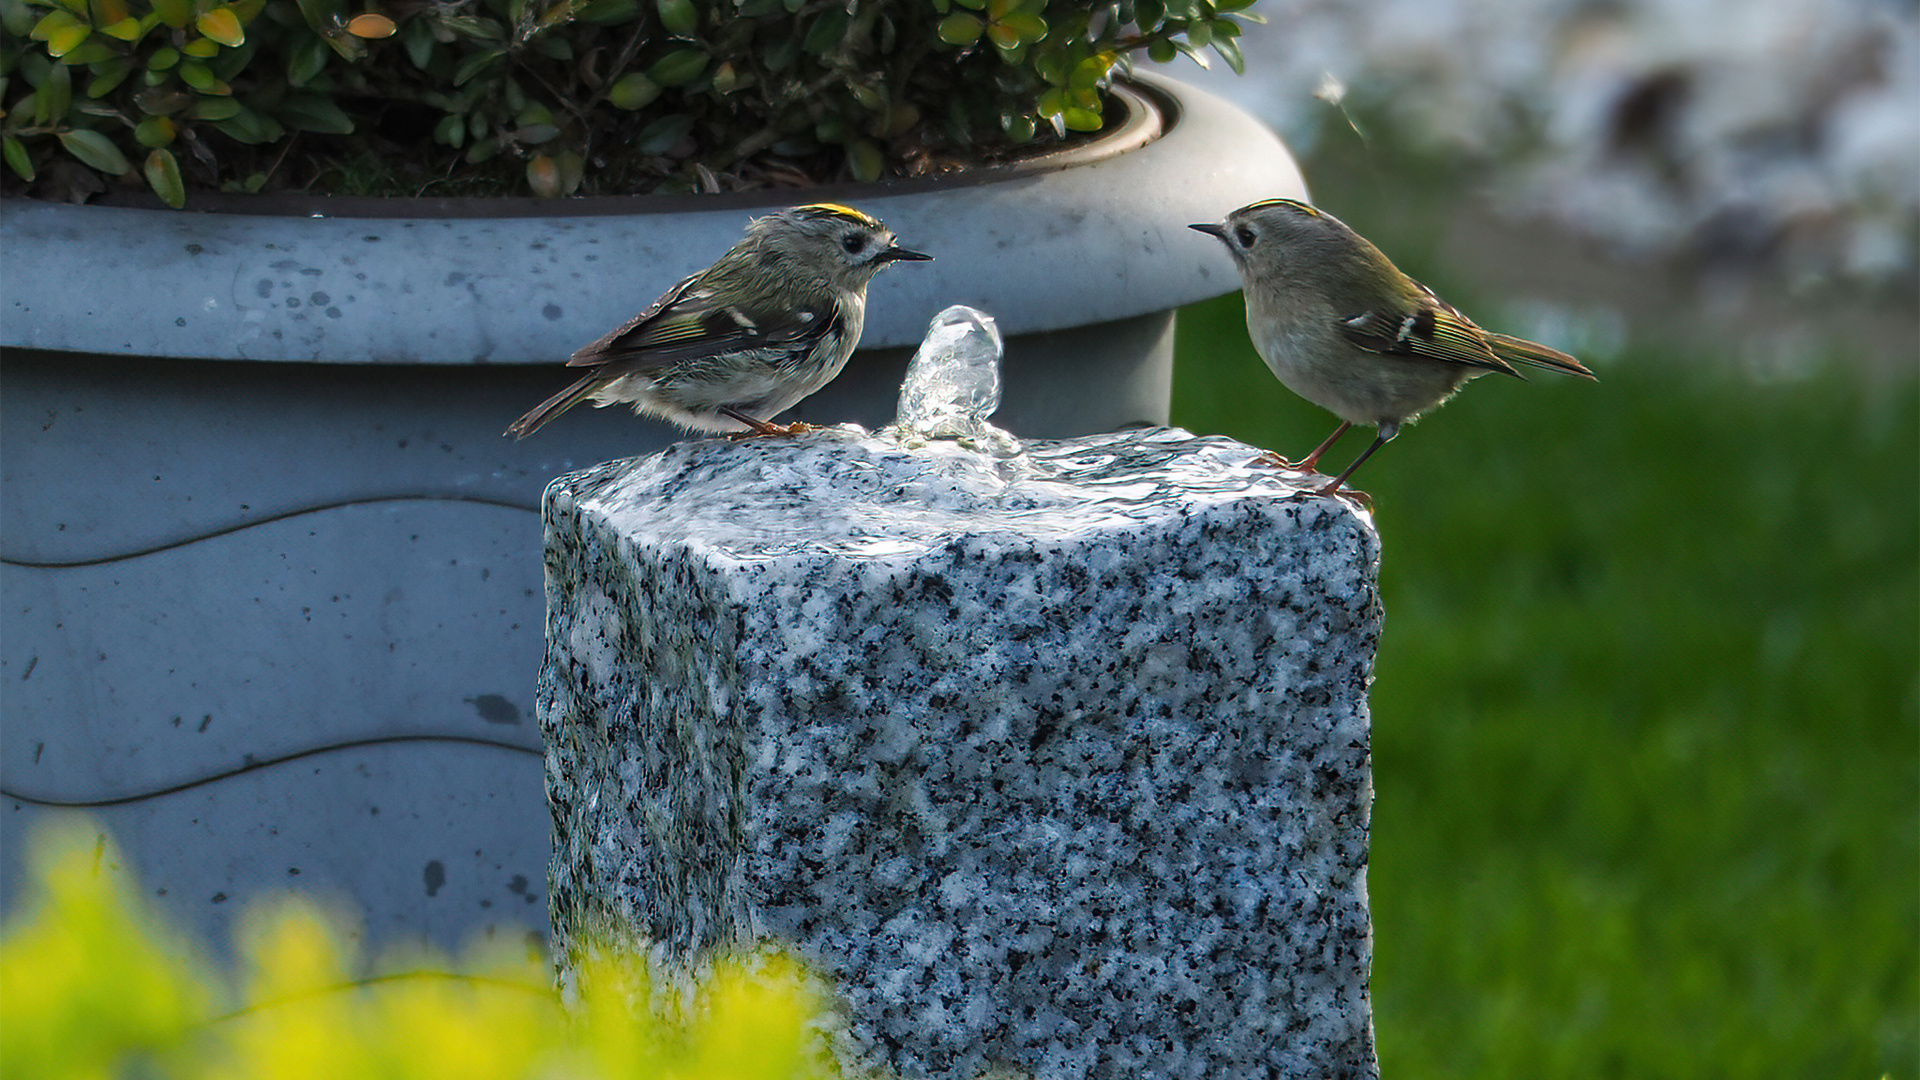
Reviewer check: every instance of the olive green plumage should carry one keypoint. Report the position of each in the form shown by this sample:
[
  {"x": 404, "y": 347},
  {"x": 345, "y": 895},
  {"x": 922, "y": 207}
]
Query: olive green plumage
[
  {"x": 1341, "y": 326},
  {"x": 733, "y": 346}
]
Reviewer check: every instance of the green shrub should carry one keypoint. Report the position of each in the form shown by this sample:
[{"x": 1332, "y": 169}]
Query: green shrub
[
  {"x": 563, "y": 96},
  {"x": 94, "y": 986}
]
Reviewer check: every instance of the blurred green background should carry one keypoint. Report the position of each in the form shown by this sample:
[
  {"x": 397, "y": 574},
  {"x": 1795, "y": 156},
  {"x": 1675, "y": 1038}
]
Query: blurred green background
[{"x": 1646, "y": 740}]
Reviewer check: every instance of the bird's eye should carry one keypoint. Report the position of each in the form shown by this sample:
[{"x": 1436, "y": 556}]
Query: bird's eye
[
  {"x": 855, "y": 243},
  {"x": 1244, "y": 236}
]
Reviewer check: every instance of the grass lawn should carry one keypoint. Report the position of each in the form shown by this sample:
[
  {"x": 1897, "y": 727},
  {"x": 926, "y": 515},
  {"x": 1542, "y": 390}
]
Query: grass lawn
[{"x": 1646, "y": 741}]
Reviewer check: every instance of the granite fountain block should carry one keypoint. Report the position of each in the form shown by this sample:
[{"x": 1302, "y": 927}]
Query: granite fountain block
[{"x": 1054, "y": 763}]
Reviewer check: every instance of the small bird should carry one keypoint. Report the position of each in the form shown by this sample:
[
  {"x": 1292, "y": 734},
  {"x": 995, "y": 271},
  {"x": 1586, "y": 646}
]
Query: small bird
[
  {"x": 1341, "y": 326},
  {"x": 735, "y": 345}
]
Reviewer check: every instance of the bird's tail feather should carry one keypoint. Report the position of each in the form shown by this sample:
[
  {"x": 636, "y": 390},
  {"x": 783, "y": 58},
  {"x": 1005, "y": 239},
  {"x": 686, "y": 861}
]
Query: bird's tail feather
[
  {"x": 581, "y": 389},
  {"x": 1537, "y": 355}
]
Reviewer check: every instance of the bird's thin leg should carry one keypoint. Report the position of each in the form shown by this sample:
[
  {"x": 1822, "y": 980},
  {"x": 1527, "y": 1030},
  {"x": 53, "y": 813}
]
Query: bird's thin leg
[
  {"x": 1387, "y": 432},
  {"x": 762, "y": 427},
  {"x": 1307, "y": 463},
  {"x": 1313, "y": 459}
]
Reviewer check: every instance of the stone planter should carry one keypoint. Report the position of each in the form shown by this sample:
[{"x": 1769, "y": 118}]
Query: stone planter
[{"x": 273, "y": 597}]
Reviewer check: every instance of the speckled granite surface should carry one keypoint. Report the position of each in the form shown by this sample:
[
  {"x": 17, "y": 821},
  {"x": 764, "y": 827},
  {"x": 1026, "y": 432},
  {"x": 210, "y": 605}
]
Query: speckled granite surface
[{"x": 1057, "y": 763}]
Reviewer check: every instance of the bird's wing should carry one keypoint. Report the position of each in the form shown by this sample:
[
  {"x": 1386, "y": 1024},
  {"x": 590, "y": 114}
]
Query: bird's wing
[
  {"x": 688, "y": 323},
  {"x": 1429, "y": 328}
]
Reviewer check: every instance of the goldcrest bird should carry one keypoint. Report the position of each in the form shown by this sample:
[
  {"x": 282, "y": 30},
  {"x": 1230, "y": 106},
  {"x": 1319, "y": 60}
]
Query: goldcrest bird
[
  {"x": 735, "y": 345},
  {"x": 1341, "y": 326}
]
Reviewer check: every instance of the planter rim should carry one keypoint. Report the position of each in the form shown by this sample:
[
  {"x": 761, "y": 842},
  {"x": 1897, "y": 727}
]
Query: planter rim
[{"x": 1055, "y": 244}]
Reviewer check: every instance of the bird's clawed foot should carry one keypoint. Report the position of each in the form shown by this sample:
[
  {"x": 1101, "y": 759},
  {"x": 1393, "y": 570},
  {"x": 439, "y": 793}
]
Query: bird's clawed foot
[
  {"x": 1360, "y": 498},
  {"x": 762, "y": 427},
  {"x": 1273, "y": 460},
  {"x": 798, "y": 427}
]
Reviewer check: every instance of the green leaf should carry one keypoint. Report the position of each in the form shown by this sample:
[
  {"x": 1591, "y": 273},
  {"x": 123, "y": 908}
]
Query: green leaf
[
  {"x": 163, "y": 58},
  {"x": 107, "y": 76},
  {"x": 1090, "y": 72},
  {"x": 221, "y": 25},
  {"x": 1200, "y": 34},
  {"x": 632, "y": 91},
  {"x": 728, "y": 79},
  {"x": 865, "y": 161},
  {"x": 1081, "y": 119},
  {"x": 129, "y": 29},
  {"x": 201, "y": 78},
  {"x": 251, "y": 127},
  {"x": 961, "y": 29},
  {"x": 1192, "y": 53},
  {"x": 307, "y": 58},
  {"x": 1149, "y": 14},
  {"x": 154, "y": 131},
  {"x": 543, "y": 176},
  {"x": 321, "y": 15},
  {"x": 312, "y": 112},
  {"x": 174, "y": 13},
  {"x": 91, "y": 51},
  {"x": 679, "y": 67},
  {"x": 828, "y": 30},
  {"x": 53, "y": 98},
  {"x": 1229, "y": 51},
  {"x": 16, "y": 17},
  {"x": 451, "y": 131},
  {"x": 163, "y": 176},
  {"x": 1162, "y": 51},
  {"x": 781, "y": 53},
  {"x": 573, "y": 169},
  {"x": 1023, "y": 27},
  {"x": 419, "y": 43},
  {"x": 535, "y": 134},
  {"x": 474, "y": 64},
  {"x": 678, "y": 17},
  {"x": 61, "y": 31},
  {"x": 211, "y": 109},
  {"x": 609, "y": 12},
  {"x": 95, "y": 150},
  {"x": 201, "y": 48},
  {"x": 469, "y": 27},
  {"x": 18, "y": 159},
  {"x": 162, "y": 100},
  {"x": 661, "y": 135}
]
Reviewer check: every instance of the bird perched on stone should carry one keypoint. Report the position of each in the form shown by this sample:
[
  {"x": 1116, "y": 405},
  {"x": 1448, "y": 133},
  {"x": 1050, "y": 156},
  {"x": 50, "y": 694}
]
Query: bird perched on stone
[
  {"x": 1341, "y": 326},
  {"x": 735, "y": 345}
]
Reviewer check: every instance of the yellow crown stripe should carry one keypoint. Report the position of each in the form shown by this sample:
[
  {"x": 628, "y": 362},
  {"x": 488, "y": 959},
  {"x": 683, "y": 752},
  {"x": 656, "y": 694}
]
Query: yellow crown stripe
[
  {"x": 1295, "y": 203},
  {"x": 827, "y": 209}
]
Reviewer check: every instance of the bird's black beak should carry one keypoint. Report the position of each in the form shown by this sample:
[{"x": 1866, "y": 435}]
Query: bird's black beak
[
  {"x": 900, "y": 254},
  {"x": 1218, "y": 232}
]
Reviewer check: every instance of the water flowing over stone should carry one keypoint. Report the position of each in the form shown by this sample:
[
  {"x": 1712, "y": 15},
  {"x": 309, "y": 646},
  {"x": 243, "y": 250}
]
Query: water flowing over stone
[
  {"x": 953, "y": 384},
  {"x": 1062, "y": 769}
]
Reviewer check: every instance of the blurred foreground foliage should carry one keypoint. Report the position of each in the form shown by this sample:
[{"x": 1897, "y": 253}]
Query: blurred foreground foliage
[{"x": 93, "y": 987}]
